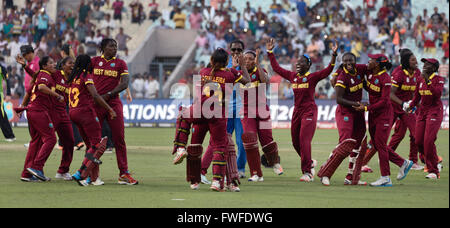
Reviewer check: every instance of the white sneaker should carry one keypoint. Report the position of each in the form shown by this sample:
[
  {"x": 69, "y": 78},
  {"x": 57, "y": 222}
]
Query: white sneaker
[
  {"x": 366, "y": 169},
  {"x": 382, "y": 182},
  {"x": 432, "y": 176},
  {"x": 195, "y": 186},
  {"x": 349, "y": 182},
  {"x": 277, "y": 169},
  {"x": 233, "y": 188},
  {"x": 26, "y": 145},
  {"x": 440, "y": 167},
  {"x": 417, "y": 167},
  {"x": 256, "y": 178},
  {"x": 98, "y": 182},
  {"x": 204, "y": 180},
  {"x": 10, "y": 140},
  {"x": 241, "y": 174},
  {"x": 215, "y": 186},
  {"x": 404, "y": 169},
  {"x": 325, "y": 181},
  {"x": 307, "y": 177},
  {"x": 313, "y": 165},
  {"x": 179, "y": 156},
  {"x": 64, "y": 176}
]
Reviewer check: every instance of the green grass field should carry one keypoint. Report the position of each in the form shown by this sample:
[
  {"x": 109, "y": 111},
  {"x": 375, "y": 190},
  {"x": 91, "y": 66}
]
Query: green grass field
[{"x": 163, "y": 185}]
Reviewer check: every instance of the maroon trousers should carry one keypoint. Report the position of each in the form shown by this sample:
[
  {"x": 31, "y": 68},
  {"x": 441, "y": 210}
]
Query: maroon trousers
[
  {"x": 63, "y": 127},
  {"x": 303, "y": 127},
  {"x": 43, "y": 139},
  {"x": 405, "y": 122},
  {"x": 427, "y": 127}
]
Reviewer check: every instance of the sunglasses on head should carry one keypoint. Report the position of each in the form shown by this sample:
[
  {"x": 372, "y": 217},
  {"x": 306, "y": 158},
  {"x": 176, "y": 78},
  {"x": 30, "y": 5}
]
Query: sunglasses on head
[{"x": 236, "y": 49}]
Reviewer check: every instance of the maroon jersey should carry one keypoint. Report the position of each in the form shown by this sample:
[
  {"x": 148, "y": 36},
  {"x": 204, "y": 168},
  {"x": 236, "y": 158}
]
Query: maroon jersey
[
  {"x": 252, "y": 89},
  {"x": 79, "y": 96},
  {"x": 62, "y": 88},
  {"x": 352, "y": 83},
  {"x": 107, "y": 73},
  {"x": 379, "y": 88},
  {"x": 405, "y": 83},
  {"x": 304, "y": 86},
  {"x": 219, "y": 79},
  {"x": 40, "y": 101},
  {"x": 429, "y": 95}
]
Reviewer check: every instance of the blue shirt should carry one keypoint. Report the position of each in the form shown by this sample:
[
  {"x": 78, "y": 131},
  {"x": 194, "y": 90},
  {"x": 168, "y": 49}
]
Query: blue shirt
[
  {"x": 236, "y": 100},
  {"x": 301, "y": 5}
]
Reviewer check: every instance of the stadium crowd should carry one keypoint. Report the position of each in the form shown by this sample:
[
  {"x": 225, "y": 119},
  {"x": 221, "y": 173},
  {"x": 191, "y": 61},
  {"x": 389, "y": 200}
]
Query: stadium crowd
[{"x": 298, "y": 28}]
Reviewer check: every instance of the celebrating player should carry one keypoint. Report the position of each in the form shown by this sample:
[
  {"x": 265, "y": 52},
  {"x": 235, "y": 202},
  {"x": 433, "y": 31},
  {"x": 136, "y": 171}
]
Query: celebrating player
[
  {"x": 110, "y": 76},
  {"x": 350, "y": 123},
  {"x": 304, "y": 118},
  {"x": 211, "y": 104},
  {"x": 82, "y": 95},
  {"x": 378, "y": 85},
  {"x": 430, "y": 115},
  {"x": 257, "y": 125},
  {"x": 42, "y": 131}
]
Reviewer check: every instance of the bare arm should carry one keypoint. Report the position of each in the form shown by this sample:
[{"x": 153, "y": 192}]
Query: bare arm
[
  {"x": 99, "y": 100},
  {"x": 340, "y": 98},
  {"x": 123, "y": 85},
  {"x": 44, "y": 89},
  {"x": 394, "y": 97}
]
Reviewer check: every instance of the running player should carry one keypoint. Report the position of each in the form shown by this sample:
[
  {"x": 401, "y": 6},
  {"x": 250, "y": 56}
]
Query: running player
[
  {"x": 430, "y": 114},
  {"x": 42, "y": 131},
  {"x": 110, "y": 76},
  {"x": 209, "y": 107},
  {"x": 82, "y": 95},
  {"x": 350, "y": 123},
  {"x": 256, "y": 124},
  {"x": 378, "y": 85},
  {"x": 304, "y": 118}
]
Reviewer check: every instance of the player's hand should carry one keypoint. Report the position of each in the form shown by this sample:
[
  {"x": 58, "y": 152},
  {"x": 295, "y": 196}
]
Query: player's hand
[
  {"x": 234, "y": 61},
  {"x": 360, "y": 107},
  {"x": 270, "y": 44},
  {"x": 129, "y": 98},
  {"x": 335, "y": 47},
  {"x": 405, "y": 106},
  {"x": 112, "y": 114},
  {"x": 258, "y": 52},
  {"x": 60, "y": 98},
  {"x": 333, "y": 81},
  {"x": 20, "y": 60},
  {"x": 241, "y": 59}
]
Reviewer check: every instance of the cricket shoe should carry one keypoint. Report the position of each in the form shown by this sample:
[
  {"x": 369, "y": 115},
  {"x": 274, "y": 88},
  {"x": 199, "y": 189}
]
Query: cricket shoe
[
  {"x": 277, "y": 169},
  {"x": 233, "y": 188},
  {"x": 77, "y": 177},
  {"x": 215, "y": 186},
  {"x": 63, "y": 176},
  {"x": 127, "y": 179},
  {"x": 256, "y": 178},
  {"x": 407, "y": 164},
  {"x": 38, "y": 174},
  {"x": 440, "y": 167},
  {"x": 307, "y": 177},
  {"x": 349, "y": 182},
  {"x": 417, "y": 167},
  {"x": 180, "y": 155},
  {"x": 97, "y": 182},
  {"x": 313, "y": 165},
  {"x": 29, "y": 179},
  {"x": 382, "y": 182},
  {"x": 325, "y": 181},
  {"x": 366, "y": 169},
  {"x": 433, "y": 176},
  {"x": 204, "y": 180},
  {"x": 195, "y": 186},
  {"x": 241, "y": 174},
  {"x": 79, "y": 146},
  {"x": 10, "y": 139}
]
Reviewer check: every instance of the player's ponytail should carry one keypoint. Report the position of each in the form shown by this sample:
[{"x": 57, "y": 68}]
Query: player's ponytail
[
  {"x": 219, "y": 60},
  {"x": 81, "y": 67}
]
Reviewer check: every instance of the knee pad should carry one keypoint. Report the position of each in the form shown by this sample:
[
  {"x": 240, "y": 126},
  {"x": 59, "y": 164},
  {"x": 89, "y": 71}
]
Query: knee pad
[
  {"x": 194, "y": 163},
  {"x": 270, "y": 154},
  {"x": 340, "y": 152}
]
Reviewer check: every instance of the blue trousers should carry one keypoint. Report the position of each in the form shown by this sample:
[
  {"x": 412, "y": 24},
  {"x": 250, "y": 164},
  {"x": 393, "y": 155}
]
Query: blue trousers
[{"x": 234, "y": 124}]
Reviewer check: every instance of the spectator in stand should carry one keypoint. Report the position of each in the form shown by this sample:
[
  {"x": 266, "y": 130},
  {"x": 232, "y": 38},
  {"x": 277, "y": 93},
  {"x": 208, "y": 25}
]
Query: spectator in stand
[
  {"x": 107, "y": 23},
  {"x": 429, "y": 38},
  {"x": 443, "y": 68},
  {"x": 91, "y": 44},
  {"x": 118, "y": 7},
  {"x": 162, "y": 25},
  {"x": 138, "y": 86},
  {"x": 436, "y": 17},
  {"x": 196, "y": 19},
  {"x": 151, "y": 88},
  {"x": 137, "y": 11},
  {"x": 83, "y": 11},
  {"x": 154, "y": 13},
  {"x": 42, "y": 24},
  {"x": 122, "y": 40},
  {"x": 179, "y": 18},
  {"x": 369, "y": 4}
]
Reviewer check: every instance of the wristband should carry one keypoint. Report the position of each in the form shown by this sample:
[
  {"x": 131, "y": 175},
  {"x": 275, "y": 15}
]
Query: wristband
[
  {"x": 270, "y": 51},
  {"x": 365, "y": 108},
  {"x": 335, "y": 54}
]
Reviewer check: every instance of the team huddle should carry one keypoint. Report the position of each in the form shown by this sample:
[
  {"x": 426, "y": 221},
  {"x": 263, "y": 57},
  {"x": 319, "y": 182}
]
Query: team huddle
[
  {"x": 409, "y": 97},
  {"x": 89, "y": 88}
]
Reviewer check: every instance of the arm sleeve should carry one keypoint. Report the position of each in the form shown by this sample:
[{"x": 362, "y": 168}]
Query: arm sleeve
[
  {"x": 436, "y": 87},
  {"x": 384, "y": 99},
  {"x": 276, "y": 67},
  {"x": 124, "y": 70},
  {"x": 397, "y": 81},
  {"x": 324, "y": 73}
]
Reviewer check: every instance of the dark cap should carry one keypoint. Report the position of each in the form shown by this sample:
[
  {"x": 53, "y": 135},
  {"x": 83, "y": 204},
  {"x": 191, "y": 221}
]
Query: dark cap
[
  {"x": 379, "y": 57},
  {"x": 435, "y": 62},
  {"x": 25, "y": 49}
]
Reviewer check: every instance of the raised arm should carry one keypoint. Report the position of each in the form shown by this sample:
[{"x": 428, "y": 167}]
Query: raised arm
[
  {"x": 262, "y": 74},
  {"x": 270, "y": 45}
]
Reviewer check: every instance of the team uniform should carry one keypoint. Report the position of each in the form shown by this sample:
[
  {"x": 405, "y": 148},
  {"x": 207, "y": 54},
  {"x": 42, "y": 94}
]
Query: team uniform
[
  {"x": 304, "y": 118},
  {"x": 82, "y": 113},
  {"x": 380, "y": 119},
  {"x": 4, "y": 120},
  {"x": 41, "y": 126},
  {"x": 201, "y": 124},
  {"x": 406, "y": 86},
  {"x": 106, "y": 75},
  {"x": 257, "y": 125},
  {"x": 351, "y": 124},
  {"x": 429, "y": 118}
]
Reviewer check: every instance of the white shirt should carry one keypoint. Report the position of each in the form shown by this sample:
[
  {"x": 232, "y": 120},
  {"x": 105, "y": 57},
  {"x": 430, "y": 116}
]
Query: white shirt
[
  {"x": 151, "y": 89},
  {"x": 14, "y": 47},
  {"x": 106, "y": 24},
  {"x": 138, "y": 87}
]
